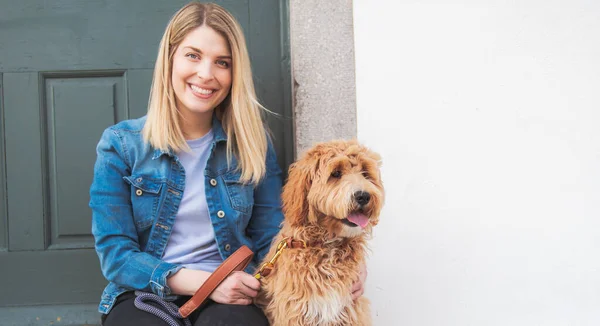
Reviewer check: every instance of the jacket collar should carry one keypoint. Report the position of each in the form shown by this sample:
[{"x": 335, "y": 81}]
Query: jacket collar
[{"x": 218, "y": 132}]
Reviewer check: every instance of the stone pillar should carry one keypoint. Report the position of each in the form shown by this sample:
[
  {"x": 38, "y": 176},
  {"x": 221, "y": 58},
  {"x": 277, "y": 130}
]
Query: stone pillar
[{"x": 322, "y": 59}]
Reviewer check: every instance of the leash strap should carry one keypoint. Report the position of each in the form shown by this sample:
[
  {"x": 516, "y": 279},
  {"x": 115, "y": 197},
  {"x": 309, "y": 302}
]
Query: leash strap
[
  {"x": 171, "y": 314},
  {"x": 236, "y": 262}
]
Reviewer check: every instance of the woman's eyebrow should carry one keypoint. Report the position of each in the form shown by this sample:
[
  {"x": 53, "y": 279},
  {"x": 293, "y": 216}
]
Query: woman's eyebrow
[{"x": 200, "y": 51}]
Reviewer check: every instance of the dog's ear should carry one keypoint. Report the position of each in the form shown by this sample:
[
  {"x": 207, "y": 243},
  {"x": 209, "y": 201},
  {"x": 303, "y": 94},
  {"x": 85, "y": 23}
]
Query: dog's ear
[
  {"x": 377, "y": 159},
  {"x": 301, "y": 174},
  {"x": 372, "y": 164}
]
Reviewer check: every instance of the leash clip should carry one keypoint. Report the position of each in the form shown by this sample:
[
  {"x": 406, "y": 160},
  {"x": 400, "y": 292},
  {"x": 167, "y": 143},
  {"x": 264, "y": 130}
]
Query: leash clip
[{"x": 266, "y": 268}]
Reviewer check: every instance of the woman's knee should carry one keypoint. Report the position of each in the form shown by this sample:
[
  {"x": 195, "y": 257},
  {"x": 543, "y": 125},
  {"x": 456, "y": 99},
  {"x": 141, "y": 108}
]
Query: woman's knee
[
  {"x": 221, "y": 314},
  {"x": 125, "y": 313}
]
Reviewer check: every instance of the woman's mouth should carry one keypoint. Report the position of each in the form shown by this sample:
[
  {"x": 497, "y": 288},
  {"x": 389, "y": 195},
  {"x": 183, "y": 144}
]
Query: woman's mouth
[{"x": 202, "y": 92}]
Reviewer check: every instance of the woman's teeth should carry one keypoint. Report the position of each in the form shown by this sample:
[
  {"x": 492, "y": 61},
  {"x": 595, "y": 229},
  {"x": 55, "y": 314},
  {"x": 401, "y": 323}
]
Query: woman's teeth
[{"x": 202, "y": 90}]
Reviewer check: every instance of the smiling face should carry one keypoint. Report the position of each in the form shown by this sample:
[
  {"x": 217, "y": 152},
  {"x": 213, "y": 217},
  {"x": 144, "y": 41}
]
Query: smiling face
[{"x": 202, "y": 73}]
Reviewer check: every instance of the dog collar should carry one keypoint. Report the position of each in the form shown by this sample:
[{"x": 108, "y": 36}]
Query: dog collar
[
  {"x": 287, "y": 242},
  {"x": 301, "y": 244}
]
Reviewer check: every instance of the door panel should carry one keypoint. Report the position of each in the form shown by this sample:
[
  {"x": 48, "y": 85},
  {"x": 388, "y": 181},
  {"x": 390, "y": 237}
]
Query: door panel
[
  {"x": 68, "y": 70},
  {"x": 23, "y": 161},
  {"x": 3, "y": 215},
  {"x": 78, "y": 106},
  {"x": 54, "y": 277}
]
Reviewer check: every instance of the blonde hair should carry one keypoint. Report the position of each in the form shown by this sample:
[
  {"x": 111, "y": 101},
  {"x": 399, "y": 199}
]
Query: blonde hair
[{"x": 240, "y": 111}]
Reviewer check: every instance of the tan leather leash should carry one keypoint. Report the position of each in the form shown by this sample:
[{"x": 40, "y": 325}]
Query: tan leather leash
[{"x": 236, "y": 262}]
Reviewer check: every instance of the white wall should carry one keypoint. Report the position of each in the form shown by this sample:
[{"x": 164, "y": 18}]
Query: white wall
[{"x": 487, "y": 115}]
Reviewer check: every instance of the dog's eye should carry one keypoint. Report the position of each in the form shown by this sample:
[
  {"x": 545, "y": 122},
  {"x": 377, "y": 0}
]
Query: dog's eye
[
  {"x": 336, "y": 174},
  {"x": 366, "y": 175}
]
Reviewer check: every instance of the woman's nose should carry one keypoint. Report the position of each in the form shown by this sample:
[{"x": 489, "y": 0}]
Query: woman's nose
[{"x": 204, "y": 70}]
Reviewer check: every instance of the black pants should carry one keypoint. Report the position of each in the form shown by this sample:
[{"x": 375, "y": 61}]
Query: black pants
[{"x": 124, "y": 312}]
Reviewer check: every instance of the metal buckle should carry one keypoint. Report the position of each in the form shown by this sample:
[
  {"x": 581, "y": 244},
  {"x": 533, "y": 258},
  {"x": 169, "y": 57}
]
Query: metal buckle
[{"x": 271, "y": 263}]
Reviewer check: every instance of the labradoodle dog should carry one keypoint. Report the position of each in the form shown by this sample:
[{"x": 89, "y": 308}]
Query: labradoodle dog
[{"x": 331, "y": 201}]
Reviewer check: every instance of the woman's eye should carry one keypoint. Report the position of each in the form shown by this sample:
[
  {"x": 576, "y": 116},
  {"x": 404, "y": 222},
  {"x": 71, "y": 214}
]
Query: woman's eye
[
  {"x": 223, "y": 63},
  {"x": 336, "y": 174},
  {"x": 192, "y": 56}
]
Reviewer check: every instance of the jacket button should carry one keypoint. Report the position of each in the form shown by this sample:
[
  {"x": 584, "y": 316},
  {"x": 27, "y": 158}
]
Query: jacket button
[
  {"x": 227, "y": 247},
  {"x": 139, "y": 180},
  {"x": 213, "y": 182},
  {"x": 221, "y": 214},
  {"x": 139, "y": 192}
]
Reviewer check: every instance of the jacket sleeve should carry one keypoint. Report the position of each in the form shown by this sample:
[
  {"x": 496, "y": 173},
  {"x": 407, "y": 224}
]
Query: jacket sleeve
[
  {"x": 113, "y": 227},
  {"x": 267, "y": 216}
]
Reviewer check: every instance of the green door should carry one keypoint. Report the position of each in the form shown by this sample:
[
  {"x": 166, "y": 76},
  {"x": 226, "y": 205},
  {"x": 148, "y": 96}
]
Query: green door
[{"x": 69, "y": 69}]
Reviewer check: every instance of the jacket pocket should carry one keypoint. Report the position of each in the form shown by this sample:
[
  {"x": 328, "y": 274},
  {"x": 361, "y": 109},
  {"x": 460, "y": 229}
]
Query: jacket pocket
[
  {"x": 241, "y": 196},
  {"x": 145, "y": 196}
]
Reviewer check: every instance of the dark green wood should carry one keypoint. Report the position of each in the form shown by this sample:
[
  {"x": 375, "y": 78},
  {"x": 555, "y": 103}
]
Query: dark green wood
[
  {"x": 53, "y": 277},
  {"x": 139, "y": 82},
  {"x": 23, "y": 162},
  {"x": 3, "y": 215},
  {"x": 78, "y": 108},
  {"x": 74, "y": 315},
  {"x": 271, "y": 73},
  {"x": 88, "y": 35},
  {"x": 69, "y": 69}
]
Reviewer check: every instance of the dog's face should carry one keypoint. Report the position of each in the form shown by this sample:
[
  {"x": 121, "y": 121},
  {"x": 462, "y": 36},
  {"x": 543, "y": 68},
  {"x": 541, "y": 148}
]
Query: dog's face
[{"x": 336, "y": 185}]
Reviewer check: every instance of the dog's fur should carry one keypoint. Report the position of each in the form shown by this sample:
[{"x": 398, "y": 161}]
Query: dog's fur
[{"x": 312, "y": 286}]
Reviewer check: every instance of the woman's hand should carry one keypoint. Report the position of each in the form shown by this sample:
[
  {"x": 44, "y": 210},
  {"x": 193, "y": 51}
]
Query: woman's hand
[
  {"x": 238, "y": 288},
  {"x": 358, "y": 288}
]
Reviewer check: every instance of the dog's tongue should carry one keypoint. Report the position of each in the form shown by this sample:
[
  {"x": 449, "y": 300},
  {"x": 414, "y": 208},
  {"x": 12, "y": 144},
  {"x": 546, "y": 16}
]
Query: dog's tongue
[{"x": 358, "y": 219}]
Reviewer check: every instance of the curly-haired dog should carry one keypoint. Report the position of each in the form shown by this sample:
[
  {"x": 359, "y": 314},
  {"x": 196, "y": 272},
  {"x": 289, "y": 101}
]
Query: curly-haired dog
[{"x": 331, "y": 201}]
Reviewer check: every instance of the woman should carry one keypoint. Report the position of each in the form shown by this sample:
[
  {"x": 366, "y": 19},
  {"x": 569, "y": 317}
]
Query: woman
[{"x": 176, "y": 192}]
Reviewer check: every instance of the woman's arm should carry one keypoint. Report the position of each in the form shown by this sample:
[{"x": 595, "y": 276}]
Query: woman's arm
[
  {"x": 187, "y": 281},
  {"x": 113, "y": 227},
  {"x": 358, "y": 288},
  {"x": 237, "y": 288}
]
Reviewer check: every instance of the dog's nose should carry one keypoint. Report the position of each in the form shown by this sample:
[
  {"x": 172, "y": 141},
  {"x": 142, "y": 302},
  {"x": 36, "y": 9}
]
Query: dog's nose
[{"x": 362, "y": 197}]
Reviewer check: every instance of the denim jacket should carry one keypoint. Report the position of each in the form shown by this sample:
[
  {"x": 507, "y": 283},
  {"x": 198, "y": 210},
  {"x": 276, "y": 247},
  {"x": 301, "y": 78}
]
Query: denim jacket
[{"x": 135, "y": 196}]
